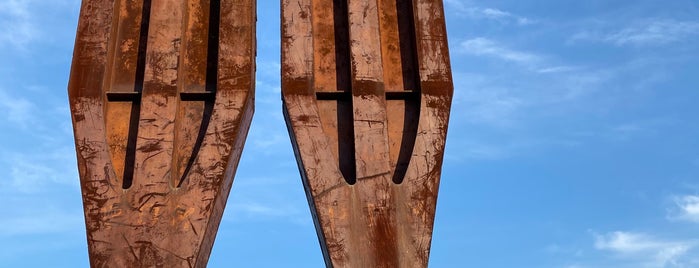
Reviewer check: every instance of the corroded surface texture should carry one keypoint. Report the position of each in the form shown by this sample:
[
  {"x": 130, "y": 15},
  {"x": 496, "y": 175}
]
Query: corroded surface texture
[
  {"x": 161, "y": 94},
  {"x": 367, "y": 90}
]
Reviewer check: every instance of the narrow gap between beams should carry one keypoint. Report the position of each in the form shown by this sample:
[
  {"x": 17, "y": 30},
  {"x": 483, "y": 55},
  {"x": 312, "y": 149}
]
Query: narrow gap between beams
[
  {"x": 211, "y": 84},
  {"x": 345, "y": 114},
  {"x": 130, "y": 161},
  {"x": 408, "y": 51}
]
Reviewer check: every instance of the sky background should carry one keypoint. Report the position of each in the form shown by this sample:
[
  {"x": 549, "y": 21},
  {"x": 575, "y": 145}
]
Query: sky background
[{"x": 574, "y": 141}]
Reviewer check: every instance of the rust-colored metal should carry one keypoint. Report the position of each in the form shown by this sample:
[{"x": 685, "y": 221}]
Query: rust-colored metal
[
  {"x": 367, "y": 90},
  {"x": 161, "y": 95}
]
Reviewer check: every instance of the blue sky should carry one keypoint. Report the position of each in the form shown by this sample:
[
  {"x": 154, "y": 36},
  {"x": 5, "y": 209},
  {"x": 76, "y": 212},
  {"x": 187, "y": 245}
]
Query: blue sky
[{"x": 573, "y": 141}]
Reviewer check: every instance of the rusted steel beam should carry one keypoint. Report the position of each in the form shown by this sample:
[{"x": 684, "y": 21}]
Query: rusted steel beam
[
  {"x": 367, "y": 91},
  {"x": 161, "y": 94}
]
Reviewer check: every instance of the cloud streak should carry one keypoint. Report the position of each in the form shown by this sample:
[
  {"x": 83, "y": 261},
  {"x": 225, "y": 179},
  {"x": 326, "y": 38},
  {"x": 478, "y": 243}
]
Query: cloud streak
[
  {"x": 486, "y": 47},
  {"x": 687, "y": 208},
  {"x": 497, "y": 14},
  {"x": 33, "y": 172},
  {"x": 16, "y": 23},
  {"x": 16, "y": 110},
  {"x": 646, "y": 33},
  {"x": 493, "y": 14},
  {"x": 644, "y": 250}
]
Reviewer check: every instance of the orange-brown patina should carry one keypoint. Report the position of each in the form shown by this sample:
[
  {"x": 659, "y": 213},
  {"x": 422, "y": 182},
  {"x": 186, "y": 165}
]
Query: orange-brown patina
[
  {"x": 367, "y": 90},
  {"x": 161, "y": 94}
]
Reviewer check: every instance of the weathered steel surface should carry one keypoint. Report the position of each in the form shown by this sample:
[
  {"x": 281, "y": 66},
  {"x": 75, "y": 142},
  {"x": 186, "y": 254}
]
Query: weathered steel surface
[
  {"x": 367, "y": 90},
  {"x": 161, "y": 94}
]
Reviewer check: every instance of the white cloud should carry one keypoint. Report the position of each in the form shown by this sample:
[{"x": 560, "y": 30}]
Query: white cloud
[
  {"x": 268, "y": 68},
  {"x": 266, "y": 142},
  {"x": 467, "y": 10},
  {"x": 643, "y": 33},
  {"x": 644, "y": 250},
  {"x": 485, "y": 100},
  {"x": 627, "y": 131},
  {"x": 39, "y": 153},
  {"x": 502, "y": 99},
  {"x": 656, "y": 32},
  {"x": 557, "y": 69},
  {"x": 257, "y": 209},
  {"x": 15, "y": 20},
  {"x": 496, "y": 14},
  {"x": 517, "y": 98},
  {"x": 272, "y": 209},
  {"x": 687, "y": 208},
  {"x": 482, "y": 151},
  {"x": 459, "y": 5},
  {"x": 31, "y": 172},
  {"x": 542, "y": 64},
  {"x": 16, "y": 109},
  {"x": 492, "y": 105},
  {"x": 256, "y": 198},
  {"x": 26, "y": 21},
  {"x": 485, "y": 47}
]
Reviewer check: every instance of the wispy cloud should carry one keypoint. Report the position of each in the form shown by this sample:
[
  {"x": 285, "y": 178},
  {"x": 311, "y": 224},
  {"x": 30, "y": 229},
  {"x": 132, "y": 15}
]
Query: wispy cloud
[
  {"x": 258, "y": 209},
  {"x": 268, "y": 142},
  {"x": 523, "y": 89},
  {"x": 25, "y": 22},
  {"x": 267, "y": 198},
  {"x": 269, "y": 69},
  {"x": 628, "y": 131},
  {"x": 32, "y": 171},
  {"x": 271, "y": 209},
  {"x": 39, "y": 153},
  {"x": 486, "y": 100},
  {"x": 15, "y": 20},
  {"x": 642, "y": 250},
  {"x": 558, "y": 69},
  {"x": 492, "y": 105},
  {"x": 465, "y": 9},
  {"x": 502, "y": 99},
  {"x": 643, "y": 33},
  {"x": 632, "y": 249},
  {"x": 481, "y": 46},
  {"x": 16, "y": 109},
  {"x": 686, "y": 208},
  {"x": 497, "y": 14},
  {"x": 486, "y": 47}
]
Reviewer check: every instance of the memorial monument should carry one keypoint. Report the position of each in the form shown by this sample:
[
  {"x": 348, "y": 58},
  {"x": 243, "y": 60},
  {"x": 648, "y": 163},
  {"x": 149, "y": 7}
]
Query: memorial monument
[
  {"x": 161, "y": 95},
  {"x": 367, "y": 91}
]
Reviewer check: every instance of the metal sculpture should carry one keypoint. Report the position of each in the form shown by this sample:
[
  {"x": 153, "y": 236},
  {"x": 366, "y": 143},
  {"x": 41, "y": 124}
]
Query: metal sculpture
[
  {"x": 161, "y": 95},
  {"x": 367, "y": 90}
]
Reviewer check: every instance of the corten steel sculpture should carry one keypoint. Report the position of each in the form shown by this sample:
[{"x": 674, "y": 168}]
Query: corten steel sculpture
[
  {"x": 161, "y": 94},
  {"x": 367, "y": 90}
]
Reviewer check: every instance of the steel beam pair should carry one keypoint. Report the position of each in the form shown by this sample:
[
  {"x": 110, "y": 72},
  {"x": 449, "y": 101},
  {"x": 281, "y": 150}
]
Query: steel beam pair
[{"x": 162, "y": 92}]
